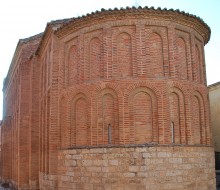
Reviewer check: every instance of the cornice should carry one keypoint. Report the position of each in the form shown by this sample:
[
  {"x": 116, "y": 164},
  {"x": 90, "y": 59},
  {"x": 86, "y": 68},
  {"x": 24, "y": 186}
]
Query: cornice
[
  {"x": 45, "y": 38},
  {"x": 214, "y": 86},
  {"x": 136, "y": 13},
  {"x": 65, "y": 26},
  {"x": 32, "y": 38},
  {"x": 50, "y": 28},
  {"x": 21, "y": 43}
]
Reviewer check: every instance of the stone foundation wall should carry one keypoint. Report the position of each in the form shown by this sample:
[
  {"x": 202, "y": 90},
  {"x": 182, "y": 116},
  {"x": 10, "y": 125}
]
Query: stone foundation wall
[
  {"x": 137, "y": 168},
  {"x": 47, "y": 182}
]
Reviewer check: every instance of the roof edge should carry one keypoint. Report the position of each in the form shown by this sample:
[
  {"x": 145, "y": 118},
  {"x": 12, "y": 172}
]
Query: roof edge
[
  {"x": 137, "y": 9},
  {"x": 214, "y": 84},
  {"x": 20, "y": 43}
]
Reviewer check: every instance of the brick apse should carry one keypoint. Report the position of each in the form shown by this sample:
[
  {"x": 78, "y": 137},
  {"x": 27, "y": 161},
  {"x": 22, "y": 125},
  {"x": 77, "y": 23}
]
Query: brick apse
[{"x": 113, "y": 100}]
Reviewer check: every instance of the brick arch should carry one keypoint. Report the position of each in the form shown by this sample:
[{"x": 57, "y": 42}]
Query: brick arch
[
  {"x": 143, "y": 114},
  {"x": 198, "y": 118},
  {"x": 187, "y": 92},
  {"x": 181, "y": 70},
  {"x": 64, "y": 126},
  {"x": 158, "y": 92},
  {"x": 73, "y": 57},
  {"x": 149, "y": 85},
  {"x": 177, "y": 115},
  {"x": 124, "y": 55},
  {"x": 107, "y": 116},
  {"x": 157, "y": 31},
  {"x": 181, "y": 87},
  {"x": 96, "y": 66},
  {"x": 79, "y": 120},
  {"x": 156, "y": 55},
  {"x": 107, "y": 90},
  {"x": 102, "y": 86},
  {"x": 201, "y": 90},
  {"x": 72, "y": 92}
]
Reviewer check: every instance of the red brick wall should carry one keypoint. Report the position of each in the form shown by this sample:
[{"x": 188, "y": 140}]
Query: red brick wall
[
  {"x": 34, "y": 144},
  {"x": 156, "y": 55},
  {"x": 19, "y": 149},
  {"x": 141, "y": 77},
  {"x": 6, "y": 149},
  {"x": 152, "y": 76},
  {"x": 134, "y": 73}
]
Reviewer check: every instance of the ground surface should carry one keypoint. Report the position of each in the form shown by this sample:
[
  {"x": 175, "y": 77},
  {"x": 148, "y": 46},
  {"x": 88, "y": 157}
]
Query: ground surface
[
  {"x": 218, "y": 179},
  {"x": 217, "y": 182},
  {"x": 2, "y": 188}
]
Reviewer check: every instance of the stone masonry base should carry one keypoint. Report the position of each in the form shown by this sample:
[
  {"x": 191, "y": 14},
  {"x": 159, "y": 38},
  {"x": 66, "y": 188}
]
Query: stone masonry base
[
  {"x": 137, "y": 168},
  {"x": 47, "y": 182}
]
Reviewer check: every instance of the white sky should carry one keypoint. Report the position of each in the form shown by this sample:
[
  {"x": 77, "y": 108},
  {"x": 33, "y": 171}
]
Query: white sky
[{"x": 24, "y": 18}]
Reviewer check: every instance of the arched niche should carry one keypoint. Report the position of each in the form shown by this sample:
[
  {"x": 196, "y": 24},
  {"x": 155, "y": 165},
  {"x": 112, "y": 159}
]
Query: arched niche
[
  {"x": 143, "y": 114},
  {"x": 107, "y": 117},
  {"x": 124, "y": 55},
  {"x": 181, "y": 59},
  {"x": 177, "y": 116},
  {"x": 73, "y": 65},
  {"x": 156, "y": 55},
  {"x": 96, "y": 65},
  {"x": 198, "y": 119},
  {"x": 79, "y": 121}
]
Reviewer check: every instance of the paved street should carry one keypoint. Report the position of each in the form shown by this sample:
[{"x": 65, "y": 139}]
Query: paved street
[
  {"x": 4, "y": 187},
  {"x": 217, "y": 182}
]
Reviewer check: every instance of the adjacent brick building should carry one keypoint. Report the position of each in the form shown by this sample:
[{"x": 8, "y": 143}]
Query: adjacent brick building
[
  {"x": 115, "y": 99},
  {"x": 214, "y": 96}
]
